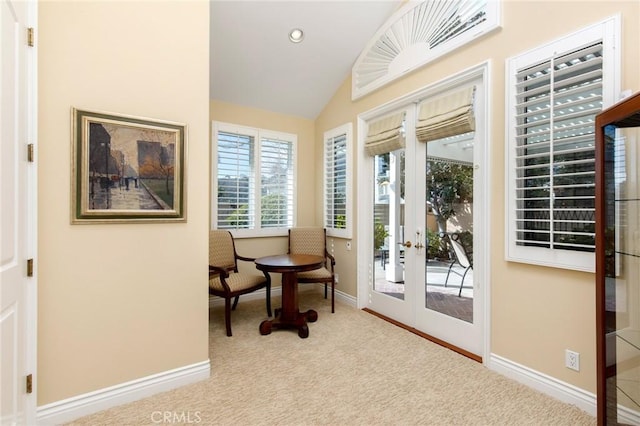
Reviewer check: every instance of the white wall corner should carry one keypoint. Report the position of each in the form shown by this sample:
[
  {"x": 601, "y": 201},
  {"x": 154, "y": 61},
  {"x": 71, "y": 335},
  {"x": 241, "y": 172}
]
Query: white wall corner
[{"x": 83, "y": 405}]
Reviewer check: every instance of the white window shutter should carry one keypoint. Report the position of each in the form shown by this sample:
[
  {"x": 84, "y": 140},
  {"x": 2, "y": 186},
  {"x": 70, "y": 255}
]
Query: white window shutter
[
  {"x": 276, "y": 179},
  {"x": 253, "y": 191},
  {"x": 236, "y": 184},
  {"x": 554, "y": 92},
  {"x": 555, "y": 150},
  {"x": 337, "y": 177}
]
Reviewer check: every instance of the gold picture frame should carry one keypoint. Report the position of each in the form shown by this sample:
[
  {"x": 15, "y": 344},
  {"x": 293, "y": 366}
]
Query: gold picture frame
[{"x": 127, "y": 169}]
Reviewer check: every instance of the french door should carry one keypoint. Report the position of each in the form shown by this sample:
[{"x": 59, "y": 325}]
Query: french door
[{"x": 425, "y": 264}]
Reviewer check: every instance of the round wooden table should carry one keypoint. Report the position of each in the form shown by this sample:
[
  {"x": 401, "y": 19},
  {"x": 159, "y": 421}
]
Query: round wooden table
[{"x": 289, "y": 316}]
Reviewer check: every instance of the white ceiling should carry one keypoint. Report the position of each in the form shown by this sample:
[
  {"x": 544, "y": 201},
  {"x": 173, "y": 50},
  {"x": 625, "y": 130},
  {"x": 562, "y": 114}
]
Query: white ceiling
[{"x": 254, "y": 64}]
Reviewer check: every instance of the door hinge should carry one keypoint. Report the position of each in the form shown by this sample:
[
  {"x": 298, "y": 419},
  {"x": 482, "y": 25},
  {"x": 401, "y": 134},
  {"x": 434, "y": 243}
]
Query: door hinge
[
  {"x": 30, "y": 153},
  {"x": 29, "y": 267},
  {"x": 30, "y": 38},
  {"x": 30, "y": 383}
]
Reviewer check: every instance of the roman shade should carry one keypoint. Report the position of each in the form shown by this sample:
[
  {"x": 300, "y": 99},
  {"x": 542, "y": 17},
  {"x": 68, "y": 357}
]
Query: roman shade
[
  {"x": 448, "y": 116},
  {"x": 385, "y": 135}
]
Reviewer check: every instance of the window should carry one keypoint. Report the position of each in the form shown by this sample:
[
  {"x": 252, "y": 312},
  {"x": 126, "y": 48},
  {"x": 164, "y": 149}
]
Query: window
[
  {"x": 554, "y": 93},
  {"x": 418, "y": 33},
  {"x": 253, "y": 188},
  {"x": 337, "y": 178}
]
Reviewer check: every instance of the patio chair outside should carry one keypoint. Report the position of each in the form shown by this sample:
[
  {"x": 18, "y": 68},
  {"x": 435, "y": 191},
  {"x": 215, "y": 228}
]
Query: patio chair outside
[{"x": 461, "y": 258}]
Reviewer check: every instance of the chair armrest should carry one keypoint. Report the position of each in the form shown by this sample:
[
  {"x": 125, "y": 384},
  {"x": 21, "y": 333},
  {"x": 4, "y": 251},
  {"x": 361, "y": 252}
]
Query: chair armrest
[
  {"x": 246, "y": 259},
  {"x": 329, "y": 256},
  {"x": 214, "y": 270}
]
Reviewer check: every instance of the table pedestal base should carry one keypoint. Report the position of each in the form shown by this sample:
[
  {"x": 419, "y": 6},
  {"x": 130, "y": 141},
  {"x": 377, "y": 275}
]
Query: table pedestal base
[
  {"x": 297, "y": 321},
  {"x": 289, "y": 316}
]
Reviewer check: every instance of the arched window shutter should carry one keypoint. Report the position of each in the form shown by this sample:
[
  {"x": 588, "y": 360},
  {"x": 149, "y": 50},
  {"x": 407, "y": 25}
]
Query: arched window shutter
[{"x": 418, "y": 33}]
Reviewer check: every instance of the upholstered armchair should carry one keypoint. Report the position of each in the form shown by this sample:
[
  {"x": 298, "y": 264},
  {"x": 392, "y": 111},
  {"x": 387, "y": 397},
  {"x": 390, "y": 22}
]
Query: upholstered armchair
[
  {"x": 225, "y": 280},
  {"x": 314, "y": 241}
]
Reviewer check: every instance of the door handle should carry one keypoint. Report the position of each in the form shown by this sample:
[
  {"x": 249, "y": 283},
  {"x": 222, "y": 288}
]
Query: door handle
[
  {"x": 419, "y": 244},
  {"x": 407, "y": 244}
]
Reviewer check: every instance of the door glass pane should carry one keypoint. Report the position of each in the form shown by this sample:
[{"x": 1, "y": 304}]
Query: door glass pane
[
  {"x": 388, "y": 223},
  {"x": 449, "y": 225},
  {"x": 622, "y": 274}
]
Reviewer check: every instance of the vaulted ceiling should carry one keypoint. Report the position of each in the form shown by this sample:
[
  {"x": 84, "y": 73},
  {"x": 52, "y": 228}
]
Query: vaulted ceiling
[{"x": 254, "y": 64}]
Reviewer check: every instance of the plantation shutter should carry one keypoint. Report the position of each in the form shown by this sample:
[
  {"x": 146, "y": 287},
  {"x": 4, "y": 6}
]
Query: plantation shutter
[
  {"x": 235, "y": 180},
  {"x": 446, "y": 116},
  {"x": 385, "y": 135},
  {"x": 276, "y": 183},
  {"x": 556, "y": 104},
  {"x": 335, "y": 157}
]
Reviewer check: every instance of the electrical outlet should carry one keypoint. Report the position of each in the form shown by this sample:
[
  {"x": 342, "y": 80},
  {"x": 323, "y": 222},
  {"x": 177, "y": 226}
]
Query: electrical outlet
[
  {"x": 572, "y": 360},
  {"x": 348, "y": 245},
  {"x": 336, "y": 278}
]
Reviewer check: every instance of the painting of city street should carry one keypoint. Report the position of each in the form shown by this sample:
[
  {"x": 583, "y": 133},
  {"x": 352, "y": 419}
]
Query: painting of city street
[{"x": 127, "y": 169}]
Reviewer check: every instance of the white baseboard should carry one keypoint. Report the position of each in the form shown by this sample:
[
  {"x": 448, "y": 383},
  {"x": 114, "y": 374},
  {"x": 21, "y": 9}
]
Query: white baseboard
[
  {"x": 551, "y": 386},
  {"x": 277, "y": 291},
  {"x": 347, "y": 299},
  {"x": 82, "y": 405}
]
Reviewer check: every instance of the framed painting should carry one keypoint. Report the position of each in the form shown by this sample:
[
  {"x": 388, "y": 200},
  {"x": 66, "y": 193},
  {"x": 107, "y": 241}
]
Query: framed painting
[{"x": 126, "y": 169}]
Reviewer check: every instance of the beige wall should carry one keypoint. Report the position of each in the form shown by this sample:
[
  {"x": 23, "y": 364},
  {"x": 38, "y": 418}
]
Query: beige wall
[
  {"x": 122, "y": 301},
  {"x": 536, "y": 312},
  {"x": 108, "y": 315}
]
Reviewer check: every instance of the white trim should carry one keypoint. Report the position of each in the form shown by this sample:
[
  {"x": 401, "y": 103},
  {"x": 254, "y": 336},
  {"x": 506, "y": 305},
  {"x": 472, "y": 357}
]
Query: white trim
[
  {"x": 92, "y": 402},
  {"x": 546, "y": 384},
  {"x": 31, "y": 293}
]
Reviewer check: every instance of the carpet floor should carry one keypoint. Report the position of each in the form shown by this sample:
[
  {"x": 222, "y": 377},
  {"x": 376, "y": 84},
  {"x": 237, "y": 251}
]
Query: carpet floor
[{"x": 353, "y": 369}]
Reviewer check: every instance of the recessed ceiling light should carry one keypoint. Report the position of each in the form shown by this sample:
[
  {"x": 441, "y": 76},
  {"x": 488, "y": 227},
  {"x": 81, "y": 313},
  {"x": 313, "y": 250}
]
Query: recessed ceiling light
[{"x": 296, "y": 35}]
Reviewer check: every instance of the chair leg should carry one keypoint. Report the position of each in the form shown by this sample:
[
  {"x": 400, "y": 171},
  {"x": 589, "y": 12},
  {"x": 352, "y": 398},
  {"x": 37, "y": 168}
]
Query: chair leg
[
  {"x": 325, "y": 290},
  {"x": 462, "y": 281},
  {"x": 448, "y": 272},
  {"x": 227, "y": 314},
  {"x": 333, "y": 293},
  {"x": 235, "y": 303}
]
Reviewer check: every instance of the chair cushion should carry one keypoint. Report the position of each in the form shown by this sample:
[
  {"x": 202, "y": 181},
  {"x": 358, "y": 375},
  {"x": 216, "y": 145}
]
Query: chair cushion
[
  {"x": 316, "y": 274},
  {"x": 238, "y": 281}
]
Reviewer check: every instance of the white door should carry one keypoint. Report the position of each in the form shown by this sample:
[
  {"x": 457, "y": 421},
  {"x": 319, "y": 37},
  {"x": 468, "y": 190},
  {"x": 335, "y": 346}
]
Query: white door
[
  {"x": 17, "y": 214},
  {"x": 390, "y": 263},
  {"x": 449, "y": 305},
  {"x": 400, "y": 275}
]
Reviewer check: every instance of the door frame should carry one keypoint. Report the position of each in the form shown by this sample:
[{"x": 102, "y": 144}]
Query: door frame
[
  {"x": 28, "y": 247},
  {"x": 31, "y": 403},
  {"x": 365, "y": 192}
]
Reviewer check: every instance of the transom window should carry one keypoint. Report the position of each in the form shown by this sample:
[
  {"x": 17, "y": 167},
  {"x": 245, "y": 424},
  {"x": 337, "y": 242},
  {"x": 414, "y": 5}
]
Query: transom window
[
  {"x": 253, "y": 180},
  {"x": 418, "y": 33}
]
